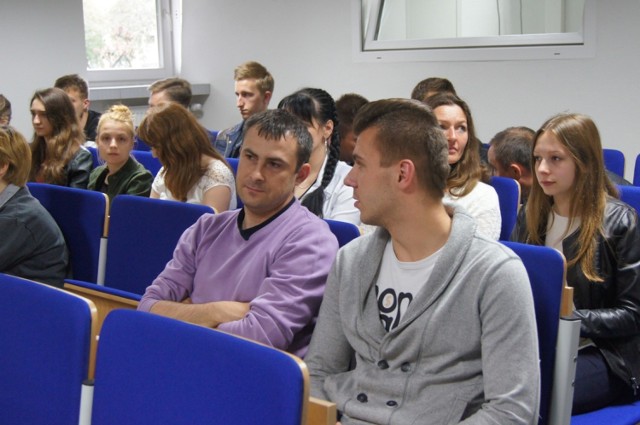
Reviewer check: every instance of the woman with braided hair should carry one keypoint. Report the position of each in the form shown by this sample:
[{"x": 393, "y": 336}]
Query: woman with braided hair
[{"x": 323, "y": 192}]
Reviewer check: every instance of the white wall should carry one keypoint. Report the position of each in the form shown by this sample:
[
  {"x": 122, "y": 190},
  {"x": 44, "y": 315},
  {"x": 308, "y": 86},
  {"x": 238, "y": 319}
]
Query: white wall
[
  {"x": 41, "y": 40},
  {"x": 308, "y": 43}
]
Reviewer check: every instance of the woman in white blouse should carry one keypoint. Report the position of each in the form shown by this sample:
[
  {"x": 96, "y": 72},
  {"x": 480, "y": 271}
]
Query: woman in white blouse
[
  {"x": 467, "y": 183},
  {"x": 192, "y": 170}
]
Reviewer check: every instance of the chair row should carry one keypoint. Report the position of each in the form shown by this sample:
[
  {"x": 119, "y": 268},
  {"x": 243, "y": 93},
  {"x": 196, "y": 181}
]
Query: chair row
[
  {"x": 546, "y": 270},
  {"x": 557, "y": 332},
  {"x": 49, "y": 338},
  {"x": 126, "y": 251},
  {"x": 142, "y": 232}
]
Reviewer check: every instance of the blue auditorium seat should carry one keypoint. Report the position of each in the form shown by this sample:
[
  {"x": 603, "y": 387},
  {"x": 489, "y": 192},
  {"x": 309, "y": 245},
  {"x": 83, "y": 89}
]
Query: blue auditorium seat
[
  {"x": 343, "y": 231},
  {"x": 143, "y": 233},
  {"x": 156, "y": 370},
  {"x": 558, "y": 335},
  {"x": 47, "y": 338},
  {"x": 82, "y": 217},
  {"x": 233, "y": 162},
  {"x": 508, "y": 191},
  {"x": 614, "y": 161},
  {"x": 149, "y": 162}
]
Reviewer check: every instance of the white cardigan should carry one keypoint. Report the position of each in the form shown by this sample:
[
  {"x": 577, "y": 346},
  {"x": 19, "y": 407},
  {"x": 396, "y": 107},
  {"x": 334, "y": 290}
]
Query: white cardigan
[{"x": 483, "y": 205}]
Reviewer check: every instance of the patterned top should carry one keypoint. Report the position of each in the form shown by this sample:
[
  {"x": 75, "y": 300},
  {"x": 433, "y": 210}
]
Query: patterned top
[{"x": 217, "y": 174}]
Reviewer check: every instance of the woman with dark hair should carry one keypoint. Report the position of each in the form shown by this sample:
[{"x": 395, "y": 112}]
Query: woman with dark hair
[
  {"x": 58, "y": 156},
  {"x": 573, "y": 207},
  {"x": 467, "y": 183},
  {"x": 323, "y": 192},
  {"x": 192, "y": 170}
]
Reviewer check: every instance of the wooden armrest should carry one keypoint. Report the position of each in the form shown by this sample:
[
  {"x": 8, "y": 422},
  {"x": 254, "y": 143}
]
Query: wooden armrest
[
  {"x": 321, "y": 412},
  {"x": 104, "y": 302},
  {"x": 566, "y": 306}
]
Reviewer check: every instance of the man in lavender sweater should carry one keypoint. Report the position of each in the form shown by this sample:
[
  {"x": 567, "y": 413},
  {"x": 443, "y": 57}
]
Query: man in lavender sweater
[{"x": 258, "y": 272}]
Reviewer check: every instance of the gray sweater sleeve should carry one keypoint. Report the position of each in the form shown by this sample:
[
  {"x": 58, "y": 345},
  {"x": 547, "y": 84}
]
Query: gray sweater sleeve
[
  {"x": 509, "y": 349},
  {"x": 329, "y": 352}
]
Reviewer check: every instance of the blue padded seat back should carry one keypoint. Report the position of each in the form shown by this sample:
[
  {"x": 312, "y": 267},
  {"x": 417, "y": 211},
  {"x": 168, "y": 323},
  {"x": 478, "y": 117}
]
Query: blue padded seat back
[
  {"x": 343, "y": 231},
  {"x": 233, "y": 162},
  {"x": 509, "y": 197},
  {"x": 156, "y": 370},
  {"x": 546, "y": 269},
  {"x": 143, "y": 234},
  {"x": 614, "y": 161},
  {"x": 631, "y": 196},
  {"x": 636, "y": 172},
  {"x": 147, "y": 160},
  {"x": 45, "y": 338},
  {"x": 81, "y": 216}
]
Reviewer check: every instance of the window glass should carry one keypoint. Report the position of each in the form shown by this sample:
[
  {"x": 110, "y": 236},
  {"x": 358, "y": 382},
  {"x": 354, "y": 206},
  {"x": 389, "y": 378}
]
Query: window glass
[
  {"x": 121, "y": 34},
  {"x": 428, "y": 19},
  {"x": 415, "y": 26},
  {"x": 129, "y": 39}
]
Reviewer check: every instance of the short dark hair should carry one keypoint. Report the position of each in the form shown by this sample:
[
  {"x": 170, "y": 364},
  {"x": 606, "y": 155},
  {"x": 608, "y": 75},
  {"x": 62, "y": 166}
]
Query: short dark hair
[
  {"x": 347, "y": 107},
  {"x": 178, "y": 90},
  {"x": 432, "y": 84},
  {"x": 275, "y": 124},
  {"x": 73, "y": 81},
  {"x": 408, "y": 129},
  {"x": 513, "y": 145}
]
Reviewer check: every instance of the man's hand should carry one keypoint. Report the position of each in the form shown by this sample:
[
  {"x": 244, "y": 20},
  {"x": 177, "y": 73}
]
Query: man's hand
[
  {"x": 229, "y": 311},
  {"x": 209, "y": 314}
]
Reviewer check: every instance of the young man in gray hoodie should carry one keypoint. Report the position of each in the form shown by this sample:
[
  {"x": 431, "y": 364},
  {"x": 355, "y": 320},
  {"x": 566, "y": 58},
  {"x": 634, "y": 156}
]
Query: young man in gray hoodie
[{"x": 439, "y": 320}]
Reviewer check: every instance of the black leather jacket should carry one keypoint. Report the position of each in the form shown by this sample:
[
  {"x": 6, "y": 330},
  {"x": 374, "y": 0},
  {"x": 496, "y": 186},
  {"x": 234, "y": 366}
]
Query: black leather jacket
[
  {"x": 79, "y": 169},
  {"x": 610, "y": 310}
]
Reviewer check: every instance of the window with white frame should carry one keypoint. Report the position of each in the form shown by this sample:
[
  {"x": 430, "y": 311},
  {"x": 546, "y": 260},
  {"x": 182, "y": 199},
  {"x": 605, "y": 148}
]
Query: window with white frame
[
  {"x": 129, "y": 40},
  {"x": 415, "y": 30}
]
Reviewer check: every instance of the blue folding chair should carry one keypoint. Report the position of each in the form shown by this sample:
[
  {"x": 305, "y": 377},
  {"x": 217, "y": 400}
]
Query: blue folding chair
[
  {"x": 156, "y": 370},
  {"x": 509, "y": 198},
  {"x": 558, "y": 335},
  {"x": 147, "y": 160},
  {"x": 95, "y": 156},
  {"x": 82, "y": 217},
  {"x": 47, "y": 337},
  {"x": 140, "y": 145},
  {"x": 614, "y": 161},
  {"x": 636, "y": 172},
  {"x": 343, "y": 231},
  {"x": 233, "y": 162},
  {"x": 630, "y": 195}
]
